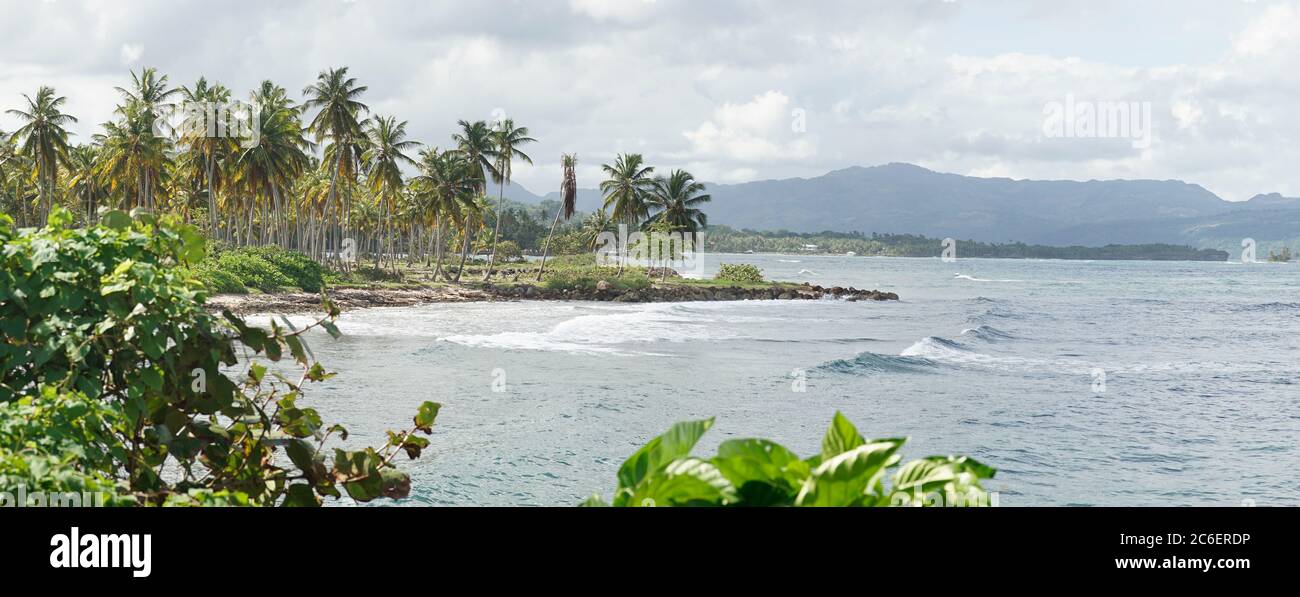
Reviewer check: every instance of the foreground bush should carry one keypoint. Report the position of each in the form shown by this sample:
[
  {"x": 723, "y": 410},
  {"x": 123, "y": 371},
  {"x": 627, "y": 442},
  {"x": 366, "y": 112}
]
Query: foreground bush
[
  {"x": 113, "y": 378},
  {"x": 740, "y": 272},
  {"x": 849, "y": 471}
]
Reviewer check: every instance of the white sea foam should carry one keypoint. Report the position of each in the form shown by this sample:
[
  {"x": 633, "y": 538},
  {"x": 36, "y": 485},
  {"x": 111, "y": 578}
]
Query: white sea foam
[
  {"x": 974, "y": 279},
  {"x": 611, "y": 332}
]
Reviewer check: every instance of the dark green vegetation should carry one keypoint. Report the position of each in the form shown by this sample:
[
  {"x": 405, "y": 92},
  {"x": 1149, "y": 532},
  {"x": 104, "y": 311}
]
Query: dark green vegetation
[
  {"x": 115, "y": 379},
  {"x": 726, "y": 240},
  {"x": 740, "y": 272},
  {"x": 849, "y": 471},
  {"x": 266, "y": 269}
]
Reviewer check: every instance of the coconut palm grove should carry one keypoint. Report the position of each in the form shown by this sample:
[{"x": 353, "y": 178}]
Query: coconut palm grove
[{"x": 317, "y": 173}]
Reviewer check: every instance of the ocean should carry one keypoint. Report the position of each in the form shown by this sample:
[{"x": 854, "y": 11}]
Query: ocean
[{"x": 1084, "y": 383}]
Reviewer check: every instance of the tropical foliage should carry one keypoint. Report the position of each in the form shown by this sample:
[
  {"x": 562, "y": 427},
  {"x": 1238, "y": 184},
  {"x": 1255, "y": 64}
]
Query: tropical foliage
[
  {"x": 850, "y": 470},
  {"x": 740, "y": 272},
  {"x": 322, "y": 176},
  {"x": 114, "y": 379}
]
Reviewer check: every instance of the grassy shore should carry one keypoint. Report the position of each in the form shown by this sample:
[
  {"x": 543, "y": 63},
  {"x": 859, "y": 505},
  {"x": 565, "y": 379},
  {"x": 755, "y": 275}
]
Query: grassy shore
[{"x": 567, "y": 278}]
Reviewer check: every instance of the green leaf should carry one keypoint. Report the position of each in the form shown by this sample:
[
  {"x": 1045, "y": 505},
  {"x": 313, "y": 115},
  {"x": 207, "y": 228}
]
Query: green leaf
[
  {"x": 953, "y": 479},
  {"x": 847, "y": 479},
  {"x": 764, "y": 472},
  {"x": 396, "y": 484},
  {"x": 841, "y": 437},
  {"x": 296, "y": 349},
  {"x": 427, "y": 414},
  {"x": 685, "y": 482},
  {"x": 116, "y": 219},
  {"x": 300, "y": 495},
  {"x": 675, "y": 443}
]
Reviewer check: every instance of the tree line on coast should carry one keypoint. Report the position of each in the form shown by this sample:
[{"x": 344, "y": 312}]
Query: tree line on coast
[{"x": 322, "y": 175}]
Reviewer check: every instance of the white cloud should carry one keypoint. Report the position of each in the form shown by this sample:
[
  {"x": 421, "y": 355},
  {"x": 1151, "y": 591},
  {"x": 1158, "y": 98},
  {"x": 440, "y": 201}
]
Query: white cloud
[
  {"x": 712, "y": 85},
  {"x": 761, "y": 129},
  {"x": 616, "y": 10}
]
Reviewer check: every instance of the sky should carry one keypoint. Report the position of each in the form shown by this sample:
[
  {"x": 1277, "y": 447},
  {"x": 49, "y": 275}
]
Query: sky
[{"x": 739, "y": 90}]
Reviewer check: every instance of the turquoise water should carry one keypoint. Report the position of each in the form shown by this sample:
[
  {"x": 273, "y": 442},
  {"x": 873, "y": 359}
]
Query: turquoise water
[{"x": 999, "y": 359}]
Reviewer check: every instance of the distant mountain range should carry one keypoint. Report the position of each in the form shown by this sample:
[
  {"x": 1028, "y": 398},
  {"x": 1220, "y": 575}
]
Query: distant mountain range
[{"x": 903, "y": 198}]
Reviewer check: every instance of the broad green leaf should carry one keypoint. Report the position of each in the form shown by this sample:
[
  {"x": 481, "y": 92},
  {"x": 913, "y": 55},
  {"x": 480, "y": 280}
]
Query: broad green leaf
[
  {"x": 425, "y": 417},
  {"x": 847, "y": 478},
  {"x": 764, "y": 472},
  {"x": 300, "y": 495},
  {"x": 675, "y": 443},
  {"x": 841, "y": 437},
  {"x": 685, "y": 482},
  {"x": 117, "y": 219}
]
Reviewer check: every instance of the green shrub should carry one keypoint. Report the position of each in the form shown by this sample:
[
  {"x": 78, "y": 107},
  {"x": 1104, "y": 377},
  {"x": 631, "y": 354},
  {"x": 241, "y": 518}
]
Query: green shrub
[
  {"x": 744, "y": 273},
  {"x": 570, "y": 280},
  {"x": 253, "y": 271},
  {"x": 508, "y": 252},
  {"x": 112, "y": 373},
  {"x": 302, "y": 271},
  {"x": 217, "y": 280},
  {"x": 849, "y": 471}
]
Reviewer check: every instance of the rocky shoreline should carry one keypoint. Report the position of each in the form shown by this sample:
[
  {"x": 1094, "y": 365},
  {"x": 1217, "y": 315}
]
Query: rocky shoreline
[{"x": 362, "y": 298}]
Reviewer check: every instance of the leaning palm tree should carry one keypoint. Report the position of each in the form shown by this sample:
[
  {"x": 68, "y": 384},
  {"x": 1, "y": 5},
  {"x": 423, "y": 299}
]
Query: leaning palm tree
[
  {"x": 44, "y": 141},
  {"x": 568, "y": 203},
  {"x": 507, "y": 138},
  {"x": 336, "y": 95},
  {"x": 475, "y": 143},
  {"x": 385, "y": 154},
  {"x": 625, "y": 190}
]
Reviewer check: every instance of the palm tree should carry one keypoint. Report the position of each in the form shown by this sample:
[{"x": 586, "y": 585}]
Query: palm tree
[
  {"x": 145, "y": 103},
  {"x": 596, "y": 223},
  {"x": 475, "y": 142},
  {"x": 677, "y": 200},
  {"x": 83, "y": 182},
  {"x": 131, "y": 155},
  {"x": 205, "y": 148},
  {"x": 568, "y": 203},
  {"x": 625, "y": 190},
  {"x": 387, "y": 143},
  {"x": 269, "y": 168},
  {"x": 336, "y": 95},
  {"x": 44, "y": 141},
  {"x": 507, "y": 138},
  {"x": 446, "y": 186}
]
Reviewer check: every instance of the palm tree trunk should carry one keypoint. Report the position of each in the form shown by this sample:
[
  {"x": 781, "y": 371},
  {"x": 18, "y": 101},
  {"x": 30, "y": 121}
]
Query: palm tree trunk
[
  {"x": 464, "y": 253},
  {"x": 496, "y": 235},
  {"x": 438, "y": 249},
  {"x": 212, "y": 200},
  {"x": 546, "y": 248}
]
